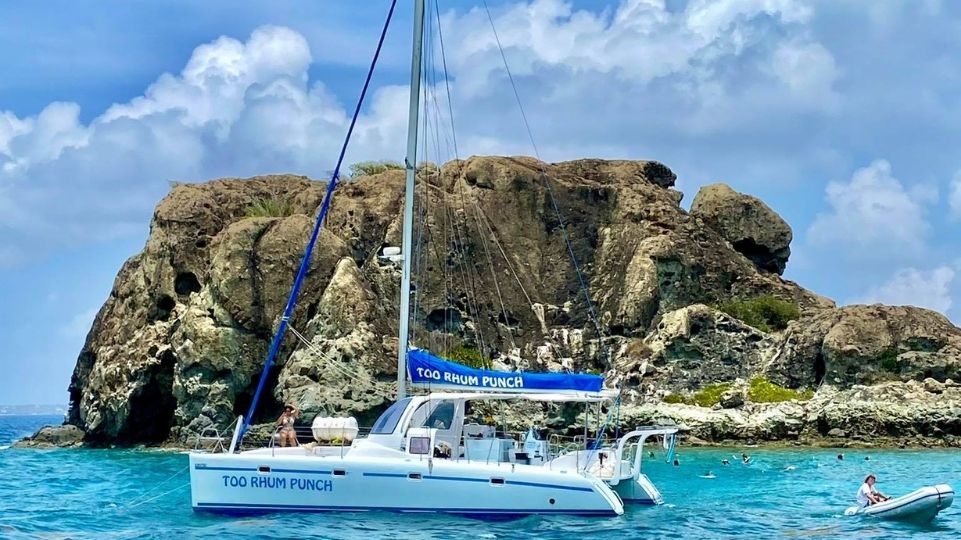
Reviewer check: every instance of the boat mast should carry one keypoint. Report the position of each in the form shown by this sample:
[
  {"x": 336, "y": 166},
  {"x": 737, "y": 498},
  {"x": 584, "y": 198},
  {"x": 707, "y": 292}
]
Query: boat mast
[{"x": 410, "y": 163}]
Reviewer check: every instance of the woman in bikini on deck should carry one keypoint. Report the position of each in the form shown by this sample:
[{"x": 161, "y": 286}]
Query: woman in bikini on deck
[{"x": 288, "y": 437}]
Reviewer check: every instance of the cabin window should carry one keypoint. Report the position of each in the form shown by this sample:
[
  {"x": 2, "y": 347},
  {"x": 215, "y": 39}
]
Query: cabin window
[
  {"x": 441, "y": 415},
  {"x": 419, "y": 445},
  {"x": 387, "y": 422}
]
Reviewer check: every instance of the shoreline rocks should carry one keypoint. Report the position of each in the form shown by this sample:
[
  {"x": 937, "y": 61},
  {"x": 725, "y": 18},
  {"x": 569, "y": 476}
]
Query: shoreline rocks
[
  {"x": 63, "y": 436},
  {"x": 886, "y": 415}
]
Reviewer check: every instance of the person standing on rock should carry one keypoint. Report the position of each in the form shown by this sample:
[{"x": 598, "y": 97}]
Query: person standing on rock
[{"x": 288, "y": 437}]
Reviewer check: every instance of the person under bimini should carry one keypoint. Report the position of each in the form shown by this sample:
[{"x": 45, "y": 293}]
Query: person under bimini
[
  {"x": 288, "y": 437},
  {"x": 868, "y": 494}
]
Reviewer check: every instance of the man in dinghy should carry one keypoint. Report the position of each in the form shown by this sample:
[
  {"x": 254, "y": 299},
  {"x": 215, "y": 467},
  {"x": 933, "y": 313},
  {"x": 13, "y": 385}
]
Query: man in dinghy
[{"x": 868, "y": 494}]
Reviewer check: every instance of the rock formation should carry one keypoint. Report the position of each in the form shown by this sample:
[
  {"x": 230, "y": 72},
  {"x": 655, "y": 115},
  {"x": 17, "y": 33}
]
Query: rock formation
[
  {"x": 751, "y": 227},
  {"x": 180, "y": 341}
]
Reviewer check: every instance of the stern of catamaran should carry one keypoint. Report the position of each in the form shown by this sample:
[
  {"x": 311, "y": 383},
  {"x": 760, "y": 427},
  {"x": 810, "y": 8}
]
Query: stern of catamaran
[{"x": 620, "y": 465}]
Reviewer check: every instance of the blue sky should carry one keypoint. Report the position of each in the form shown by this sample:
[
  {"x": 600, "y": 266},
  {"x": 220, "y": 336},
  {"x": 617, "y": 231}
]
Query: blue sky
[{"x": 843, "y": 116}]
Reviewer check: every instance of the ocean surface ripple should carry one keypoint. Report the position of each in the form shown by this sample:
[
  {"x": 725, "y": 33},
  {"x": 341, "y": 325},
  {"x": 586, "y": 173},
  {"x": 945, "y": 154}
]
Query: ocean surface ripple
[{"x": 121, "y": 494}]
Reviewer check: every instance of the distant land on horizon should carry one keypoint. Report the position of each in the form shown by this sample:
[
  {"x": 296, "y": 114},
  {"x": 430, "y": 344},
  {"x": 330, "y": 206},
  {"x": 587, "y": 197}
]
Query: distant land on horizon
[{"x": 32, "y": 410}]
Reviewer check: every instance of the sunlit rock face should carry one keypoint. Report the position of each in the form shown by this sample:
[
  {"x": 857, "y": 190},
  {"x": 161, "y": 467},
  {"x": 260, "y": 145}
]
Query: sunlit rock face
[
  {"x": 752, "y": 228},
  {"x": 180, "y": 343}
]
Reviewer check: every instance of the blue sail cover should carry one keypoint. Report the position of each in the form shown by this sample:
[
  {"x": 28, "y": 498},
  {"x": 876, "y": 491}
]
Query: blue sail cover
[{"x": 426, "y": 369}]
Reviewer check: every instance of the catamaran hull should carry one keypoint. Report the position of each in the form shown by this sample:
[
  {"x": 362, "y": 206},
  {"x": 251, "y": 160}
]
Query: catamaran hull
[
  {"x": 245, "y": 484},
  {"x": 638, "y": 490}
]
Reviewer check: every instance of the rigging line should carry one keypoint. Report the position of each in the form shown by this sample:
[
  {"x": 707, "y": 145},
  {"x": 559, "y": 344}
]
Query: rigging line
[
  {"x": 460, "y": 244},
  {"x": 431, "y": 131},
  {"x": 510, "y": 76},
  {"x": 497, "y": 242},
  {"x": 305, "y": 261},
  {"x": 338, "y": 368},
  {"x": 577, "y": 270},
  {"x": 379, "y": 388},
  {"x": 443, "y": 56},
  {"x": 423, "y": 206},
  {"x": 510, "y": 266},
  {"x": 156, "y": 486},
  {"x": 530, "y": 135},
  {"x": 497, "y": 287},
  {"x": 431, "y": 98},
  {"x": 467, "y": 271},
  {"x": 164, "y": 494},
  {"x": 467, "y": 278}
]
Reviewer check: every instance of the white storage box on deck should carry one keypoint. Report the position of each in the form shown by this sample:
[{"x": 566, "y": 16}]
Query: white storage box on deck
[{"x": 328, "y": 429}]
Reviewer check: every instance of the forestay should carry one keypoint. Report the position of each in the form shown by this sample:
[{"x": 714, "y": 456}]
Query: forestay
[{"x": 425, "y": 369}]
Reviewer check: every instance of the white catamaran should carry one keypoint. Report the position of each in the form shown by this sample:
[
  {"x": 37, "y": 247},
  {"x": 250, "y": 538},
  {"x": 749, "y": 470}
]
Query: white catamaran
[{"x": 424, "y": 454}]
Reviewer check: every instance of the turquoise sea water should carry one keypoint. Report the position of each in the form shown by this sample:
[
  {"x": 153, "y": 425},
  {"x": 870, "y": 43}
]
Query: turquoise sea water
[{"x": 784, "y": 494}]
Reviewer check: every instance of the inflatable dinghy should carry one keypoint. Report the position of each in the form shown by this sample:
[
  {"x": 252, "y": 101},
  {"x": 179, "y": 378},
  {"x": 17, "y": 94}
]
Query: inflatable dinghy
[{"x": 921, "y": 505}]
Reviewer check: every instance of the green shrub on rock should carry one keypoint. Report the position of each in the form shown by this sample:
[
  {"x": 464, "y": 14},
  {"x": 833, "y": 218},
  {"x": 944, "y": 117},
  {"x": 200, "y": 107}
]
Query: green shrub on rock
[
  {"x": 469, "y": 357},
  {"x": 889, "y": 361},
  {"x": 762, "y": 390},
  {"x": 269, "y": 207},
  {"x": 710, "y": 395},
  {"x": 368, "y": 168},
  {"x": 675, "y": 399},
  {"x": 766, "y": 313}
]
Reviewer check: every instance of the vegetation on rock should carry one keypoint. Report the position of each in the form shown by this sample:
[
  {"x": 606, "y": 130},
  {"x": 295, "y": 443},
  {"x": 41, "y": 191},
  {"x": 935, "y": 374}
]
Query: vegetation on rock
[
  {"x": 766, "y": 313},
  {"x": 269, "y": 207},
  {"x": 762, "y": 390},
  {"x": 468, "y": 356},
  {"x": 889, "y": 361},
  {"x": 710, "y": 395},
  {"x": 676, "y": 399},
  {"x": 370, "y": 168}
]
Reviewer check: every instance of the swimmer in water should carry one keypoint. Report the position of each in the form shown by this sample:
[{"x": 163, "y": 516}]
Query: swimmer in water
[
  {"x": 745, "y": 459},
  {"x": 867, "y": 458},
  {"x": 708, "y": 475},
  {"x": 725, "y": 462},
  {"x": 677, "y": 463},
  {"x": 650, "y": 454},
  {"x": 840, "y": 457}
]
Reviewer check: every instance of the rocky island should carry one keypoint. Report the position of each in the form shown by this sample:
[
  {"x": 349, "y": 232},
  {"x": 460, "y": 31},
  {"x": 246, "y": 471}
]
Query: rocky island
[{"x": 694, "y": 321}]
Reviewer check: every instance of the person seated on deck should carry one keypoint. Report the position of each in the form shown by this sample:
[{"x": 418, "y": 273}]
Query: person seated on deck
[
  {"x": 288, "y": 437},
  {"x": 868, "y": 494}
]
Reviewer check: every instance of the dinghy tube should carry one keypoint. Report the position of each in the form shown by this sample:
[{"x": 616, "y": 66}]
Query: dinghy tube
[{"x": 921, "y": 505}]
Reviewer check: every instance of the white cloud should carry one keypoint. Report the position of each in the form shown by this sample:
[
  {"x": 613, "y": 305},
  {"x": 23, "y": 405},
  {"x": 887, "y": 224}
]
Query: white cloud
[
  {"x": 642, "y": 41},
  {"x": 236, "y": 109},
  {"x": 241, "y": 108},
  {"x": 910, "y": 286},
  {"x": 809, "y": 71},
  {"x": 873, "y": 216},
  {"x": 954, "y": 198},
  {"x": 10, "y": 127}
]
